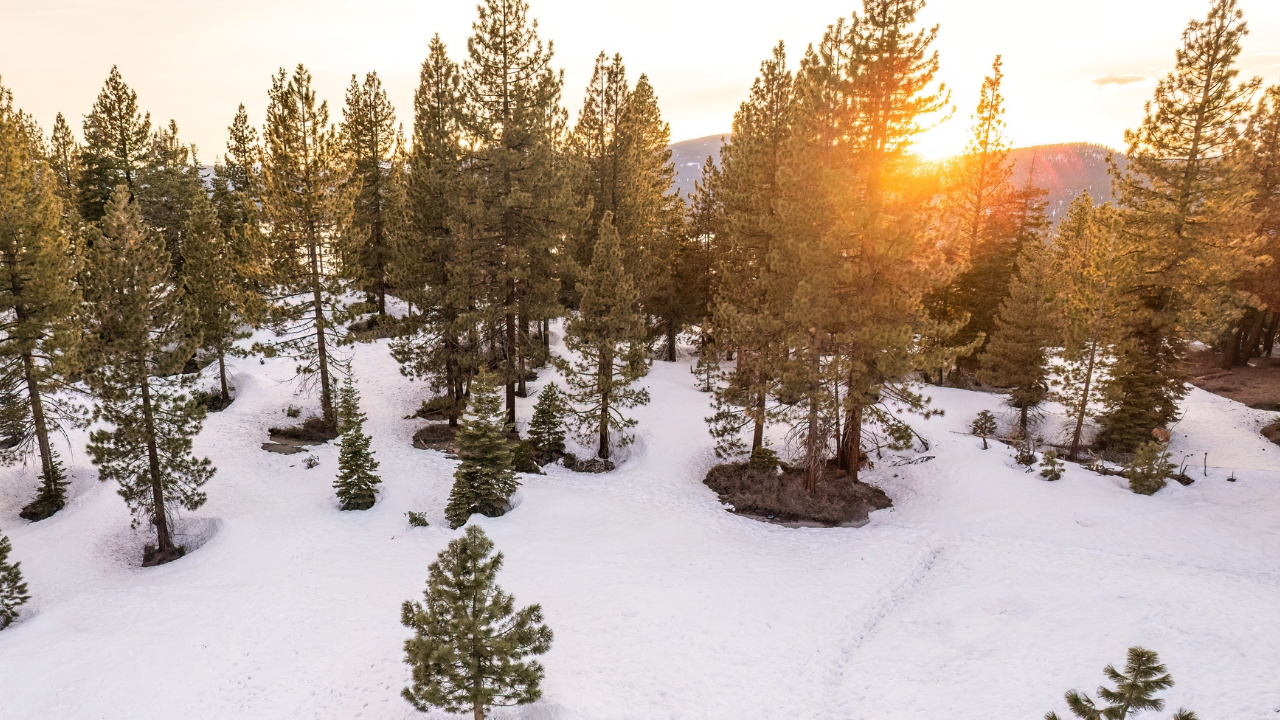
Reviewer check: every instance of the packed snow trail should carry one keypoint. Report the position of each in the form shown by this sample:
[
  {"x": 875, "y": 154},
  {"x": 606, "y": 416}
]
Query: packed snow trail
[{"x": 984, "y": 593}]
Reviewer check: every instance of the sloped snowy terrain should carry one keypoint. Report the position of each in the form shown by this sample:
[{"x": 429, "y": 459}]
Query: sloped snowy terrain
[{"x": 984, "y": 593}]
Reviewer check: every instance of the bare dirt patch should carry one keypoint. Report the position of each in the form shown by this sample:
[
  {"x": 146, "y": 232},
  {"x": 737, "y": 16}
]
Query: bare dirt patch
[
  {"x": 1256, "y": 385},
  {"x": 780, "y": 497},
  {"x": 436, "y": 436},
  {"x": 295, "y": 438}
]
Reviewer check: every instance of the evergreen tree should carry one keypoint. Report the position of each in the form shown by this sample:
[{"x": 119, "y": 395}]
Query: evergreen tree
[
  {"x": 1095, "y": 268},
  {"x": 514, "y": 122},
  {"x": 214, "y": 288},
  {"x": 984, "y": 426},
  {"x": 856, "y": 215},
  {"x": 1135, "y": 691},
  {"x": 982, "y": 204},
  {"x": 470, "y": 643},
  {"x": 546, "y": 427},
  {"x": 1186, "y": 211},
  {"x": 13, "y": 591},
  {"x": 1027, "y": 326},
  {"x": 357, "y": 483},
  {"x": 142, "y": 335},
  {"x": 1051, "y": 466},
  {"x": 375, "y": 153},
  {"x": 1262, "y": 165},
  {"x": 237, "y": 180},
  {"x": 116, "y": 139},
  {"x": 167, "y": 189},
  {"x": 307, "y": 209},
  {"x": 484, "y": 481},
  {"x": 608, "y": 338},
  {"x": 40, "y": 336},
  {"x": 1149, "y": 468},
  {"x": 748, "y": 191},
  {"x": 64, "y": 161},
  {"x": 440, "y": 272}
]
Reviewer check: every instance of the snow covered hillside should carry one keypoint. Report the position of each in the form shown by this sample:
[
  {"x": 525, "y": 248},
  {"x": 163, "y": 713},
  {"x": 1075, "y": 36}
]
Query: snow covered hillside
[{"x": 984, "y": 594}]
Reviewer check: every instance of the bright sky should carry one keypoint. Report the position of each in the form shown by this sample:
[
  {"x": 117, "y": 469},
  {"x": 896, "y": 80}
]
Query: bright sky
[{"x": 194, "y": 61}]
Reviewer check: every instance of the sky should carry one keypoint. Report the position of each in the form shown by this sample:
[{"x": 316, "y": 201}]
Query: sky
[{"x": 1074, "y": 71}]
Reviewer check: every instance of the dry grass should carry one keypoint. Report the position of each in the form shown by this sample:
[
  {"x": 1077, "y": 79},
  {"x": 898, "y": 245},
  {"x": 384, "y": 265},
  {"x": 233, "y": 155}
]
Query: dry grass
[{"x": 781, "y": 496}]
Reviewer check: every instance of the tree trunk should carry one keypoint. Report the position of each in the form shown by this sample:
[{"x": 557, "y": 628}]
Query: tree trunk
[
  {"x": 510, "y": 321},
  {"x": 322, "y": 354},
  {"x": 452, "y": 379},
  {"x": 37, "y": 418},
  {"x": 757, "y": 433},
  {"x": 1250, "y": 348},
  {"x": 1231, "y": 348},
  {"x": 164, "y": 541},
  {"x": 854, "y": 430},
  {"x": 222, "y": 376},
  {"x": 605, "y": 379},
  {"x": 811, "y": 442},
  {"x": 1269, "y": 338},
  {"x": 521, "y": 389},
  {"x": 1084, "y": 405},
  {"x": 671, "y": 341},
  {"x": 478, "y": 710}
]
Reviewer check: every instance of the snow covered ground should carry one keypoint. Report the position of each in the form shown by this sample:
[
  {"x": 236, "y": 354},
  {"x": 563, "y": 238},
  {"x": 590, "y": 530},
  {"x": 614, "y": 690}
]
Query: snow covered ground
[{"x": 984, "y": 593}]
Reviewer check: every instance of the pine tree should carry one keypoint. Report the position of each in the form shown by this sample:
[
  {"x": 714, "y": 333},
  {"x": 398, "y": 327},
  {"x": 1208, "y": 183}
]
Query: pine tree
[
  {"x": 1093, "y": 263},
  {"x": 64, "y": 160},
  {"x": 116, "y": 139},
  {"x": 1027, "y": 326},
  {"x": 855, "y": 213},
  {"x": 514, "y": 121},
  {"x": 41, "y": 336},
  {"x": 1262, "y": 165},
  {"x": 13, "y": 591},
  {"x": 1051, "y": 466},
  {"x": 484, "y": 481},
  {"x": 237, "y": 179},
  {"x": 1149, "y": 468},
  {"x": 983, "y": 206},
  {"x": 608, "y": 338},
  {"x": 167, "y": 189},
  {"x": 440, "y": 272},
  {"x": 1134, "y": 693},
  {"x": 374, "y": 150},
  {"x": 142, "y": 336},
  {"x": 470, "y": 643},
  {"x": 357, "y": 483},
  {"x": 1186, "y": 211},
  {"x": 546, "y": 427},
  {"x": 307, "y": 209},
  {"x": 214, "y": 288},
  {"x": 748, "y": 191},
  {"x": 984, "y": 426}
]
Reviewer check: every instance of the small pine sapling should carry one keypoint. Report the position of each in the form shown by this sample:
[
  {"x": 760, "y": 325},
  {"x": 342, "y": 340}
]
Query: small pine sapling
[
  {"x": 484, "y": 481},
  {"x": 470, "y": 643},
  {"x": 1134, "y": 693},
  {"x": 357, "y": 483},
  {"x": 1050, "y": 466},
  {"x": 546, "y": 427},
  {"x": 13, "y": 591},
  {"x": 417, "y": 519},
  {"x": 984, "y": 426},
  {"x": 1148, "y": 469},
  {"x": 1025, "y": 454}
]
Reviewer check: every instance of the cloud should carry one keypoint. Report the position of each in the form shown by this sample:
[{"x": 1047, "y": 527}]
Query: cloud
[{"x": 1117, "y": 80}]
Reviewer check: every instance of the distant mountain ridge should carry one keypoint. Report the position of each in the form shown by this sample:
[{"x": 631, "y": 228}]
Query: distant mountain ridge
[{"x": 1063, "y": 170}]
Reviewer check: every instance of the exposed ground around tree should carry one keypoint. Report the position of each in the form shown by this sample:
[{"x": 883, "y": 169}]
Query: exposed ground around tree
[
  {"x": 982, "y": 593},
  {"x": 1256, "y": 385}
]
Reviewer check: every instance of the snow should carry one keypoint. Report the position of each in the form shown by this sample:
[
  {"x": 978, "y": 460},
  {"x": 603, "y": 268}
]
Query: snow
[{"x": 984, "y": 593}]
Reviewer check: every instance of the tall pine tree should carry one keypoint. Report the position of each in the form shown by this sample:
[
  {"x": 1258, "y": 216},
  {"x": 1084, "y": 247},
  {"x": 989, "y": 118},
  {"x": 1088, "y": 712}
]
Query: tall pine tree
[
  {"x": 357, "y": 483},
  {"x": 117, "y": 137},
  {"x": 307, "y": 207},
  {"x": 140, "y": 330},
  {"x": 441, "y": 267},
  {"x": 40, "y": 335},
  {"x": 607, "y": 335},
  {"x": 374, "y": 150},
  {"x": 1186, "y": 210}
]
